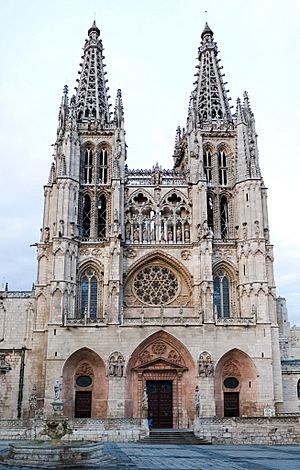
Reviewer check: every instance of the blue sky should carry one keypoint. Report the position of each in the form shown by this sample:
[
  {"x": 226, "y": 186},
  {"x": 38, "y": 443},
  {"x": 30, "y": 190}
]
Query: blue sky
[{"x": 151, "y": 49}]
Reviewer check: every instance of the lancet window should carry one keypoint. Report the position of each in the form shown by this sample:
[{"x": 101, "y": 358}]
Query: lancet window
[
  {"x": 88, "y": 165},
  {"x": 94, "y": 220},
  {"x": 222, "y": 163},
  {"x": 210, "y": 211},
  {"x": 224, "y": 217},
  {"x": 222, "y": 295},
  {"x": 95, "y": 165},
  {"x": 207, "y": 163},
  {"x": 145, "y": 223},
  {"x": 103, "y": 166},
  {"x": 298, "y": 388},
  {"x": 86, "y": 216},
  {"x": 89, "y": 294}
]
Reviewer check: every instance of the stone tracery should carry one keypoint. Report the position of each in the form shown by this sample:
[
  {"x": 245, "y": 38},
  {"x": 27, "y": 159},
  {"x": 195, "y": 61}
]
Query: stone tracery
[{"x": 151, "y": 222}]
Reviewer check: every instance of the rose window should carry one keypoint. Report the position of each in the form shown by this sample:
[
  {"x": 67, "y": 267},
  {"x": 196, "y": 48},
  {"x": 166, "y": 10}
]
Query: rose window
[{"x": 155, "y": 285}]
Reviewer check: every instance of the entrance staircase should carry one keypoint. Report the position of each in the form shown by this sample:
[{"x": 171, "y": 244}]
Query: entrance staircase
[{"x": 173, "y": 436}]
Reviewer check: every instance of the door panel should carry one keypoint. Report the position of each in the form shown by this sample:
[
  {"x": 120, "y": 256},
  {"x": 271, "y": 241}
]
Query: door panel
[
  {"x": 231, "y": 404},
  {"x": 83, "y": 404},
  {"x": 160, "y": 403}
]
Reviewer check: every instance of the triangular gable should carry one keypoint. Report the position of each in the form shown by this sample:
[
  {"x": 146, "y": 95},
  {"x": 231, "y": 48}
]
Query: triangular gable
[{"x": 159, "y": 363}]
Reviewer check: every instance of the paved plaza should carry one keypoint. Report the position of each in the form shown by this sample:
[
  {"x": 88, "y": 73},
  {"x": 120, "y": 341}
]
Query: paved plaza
[{"x": 196, "y": 457}]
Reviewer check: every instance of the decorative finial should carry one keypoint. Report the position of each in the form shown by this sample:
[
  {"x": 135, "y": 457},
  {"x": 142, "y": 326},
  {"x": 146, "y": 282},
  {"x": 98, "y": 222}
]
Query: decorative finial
[
  {"x": 94, "y": 29},
  {"x": 206, "y": 30}
]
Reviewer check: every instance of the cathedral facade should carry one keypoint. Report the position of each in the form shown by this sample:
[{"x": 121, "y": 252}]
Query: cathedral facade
[{"x": 155, "y": 293}]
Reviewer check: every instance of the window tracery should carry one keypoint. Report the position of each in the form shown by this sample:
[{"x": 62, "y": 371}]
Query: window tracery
[
  {"x": 155, "y": 285},
  {"x": 89, "y": 294},
  {"x": 222, "y": 294},
  {"x": 146, "y": 223},
  {"x": 207, "y": 163}
]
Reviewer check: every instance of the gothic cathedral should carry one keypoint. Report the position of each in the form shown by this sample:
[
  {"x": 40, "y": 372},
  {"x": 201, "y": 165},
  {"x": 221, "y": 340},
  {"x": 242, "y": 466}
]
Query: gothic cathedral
[{"x": 155, "y": 293}]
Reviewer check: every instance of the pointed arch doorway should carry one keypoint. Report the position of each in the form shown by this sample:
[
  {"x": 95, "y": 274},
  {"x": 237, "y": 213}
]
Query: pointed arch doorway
[{"x": 162, "y": 367}]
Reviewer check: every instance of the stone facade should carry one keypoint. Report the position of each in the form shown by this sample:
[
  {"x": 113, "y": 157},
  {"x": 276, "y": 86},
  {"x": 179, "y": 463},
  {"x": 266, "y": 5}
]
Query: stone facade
[{"x": 151, "y": 276}]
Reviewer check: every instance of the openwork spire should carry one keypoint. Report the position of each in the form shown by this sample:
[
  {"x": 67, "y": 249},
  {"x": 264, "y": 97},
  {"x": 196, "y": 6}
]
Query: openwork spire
[
  {"x": 212, "y": 103},
  {"x": 92, "y": 97}
]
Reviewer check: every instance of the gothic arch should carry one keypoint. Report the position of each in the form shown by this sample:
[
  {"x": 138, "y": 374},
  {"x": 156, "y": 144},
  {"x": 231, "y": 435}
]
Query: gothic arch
[
  {"x": 209, "y": 146},
  {"x": 164, "y": 257},
  {"x": 161, "y": 356},
  {"x": 237, "y": 364},
  {"x": 175, "y": 282},
  {"x": 92, "y": 363}
]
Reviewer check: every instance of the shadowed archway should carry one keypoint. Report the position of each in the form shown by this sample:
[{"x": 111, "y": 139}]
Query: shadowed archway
[
  {"x": 162, "y": 357},
  {"x": 85, "y": 363}
]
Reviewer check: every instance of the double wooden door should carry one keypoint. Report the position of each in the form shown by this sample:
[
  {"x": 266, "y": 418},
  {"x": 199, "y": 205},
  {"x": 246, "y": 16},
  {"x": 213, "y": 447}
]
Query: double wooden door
[
  {"x": 83, "y": 404},
  {"x": 231, "y": 404},
  {"x": 160, "y": 408}
]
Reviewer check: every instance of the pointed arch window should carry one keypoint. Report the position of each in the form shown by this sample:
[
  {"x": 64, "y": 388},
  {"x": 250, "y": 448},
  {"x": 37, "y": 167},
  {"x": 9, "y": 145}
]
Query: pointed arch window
[
  {"x": 224, "y": 217},
  {"x": 103, "y": 166},
  {"x": 86, "y": 216},
  {"x": 222, "y": 161},
  {"x": 102, "y": 215},
  {"x": 88, "y": 165},
  {"x": 89, "y": 294},
  {"x": 207, "y": 165},
  {"x": 221, "y": 295}
]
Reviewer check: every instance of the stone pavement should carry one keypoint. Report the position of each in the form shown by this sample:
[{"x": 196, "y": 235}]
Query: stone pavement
[{"x": 196, "y": 457}]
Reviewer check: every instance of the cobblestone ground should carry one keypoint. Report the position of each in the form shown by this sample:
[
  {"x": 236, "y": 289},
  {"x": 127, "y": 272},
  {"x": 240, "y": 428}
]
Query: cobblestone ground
[{"x": 188, "y": 457}]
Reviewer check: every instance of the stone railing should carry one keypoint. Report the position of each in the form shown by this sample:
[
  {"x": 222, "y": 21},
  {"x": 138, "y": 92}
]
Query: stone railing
[
  {"x": 231, "y": 321},
  {"x": 163, "y": 321},
  {"x": 85, "y": 321}
]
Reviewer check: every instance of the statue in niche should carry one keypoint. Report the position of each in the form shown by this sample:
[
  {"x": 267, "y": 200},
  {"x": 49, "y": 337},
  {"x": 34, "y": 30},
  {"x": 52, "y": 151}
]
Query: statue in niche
[
  {"x": 206, "y": 366},
  {"x": 256, "y": 228},
  {"x": 61, "y": 228},
  {"x": 178, "y": 234},
  {"x": 145, "y": 234},
  {"x": 205, "y": 229},
  {"x": 187, "y": 233},
  {"x": 116, "y": 365},
  {"x": 127, "y": 232},
  {"x": 245, "y": 230},
  {"x": 136, "y": 234},
  {"x": 170, "y": 235},
  {"x": 47, "y": 234}
]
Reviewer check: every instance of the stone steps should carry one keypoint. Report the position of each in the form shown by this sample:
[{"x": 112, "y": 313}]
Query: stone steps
[{"x": 178, "y": 437}]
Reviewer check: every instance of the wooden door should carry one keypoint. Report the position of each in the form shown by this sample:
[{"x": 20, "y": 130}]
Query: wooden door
[
  {"x": 160, "y": 403},
  {"x": 231, "y": 404},
  {"x": 83, "y": 404}
]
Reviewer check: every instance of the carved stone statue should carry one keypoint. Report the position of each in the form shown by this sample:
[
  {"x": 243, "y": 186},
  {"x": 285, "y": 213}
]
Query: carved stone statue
[
  {"x": 197, "y": 401},
  {"x": 57, "y": 390},
  {"x": 116, "y": 365},
  {"x": 47, "y": 234},
  {"x": 206, "y": 366},
  {"x": 205, "y": 229}
]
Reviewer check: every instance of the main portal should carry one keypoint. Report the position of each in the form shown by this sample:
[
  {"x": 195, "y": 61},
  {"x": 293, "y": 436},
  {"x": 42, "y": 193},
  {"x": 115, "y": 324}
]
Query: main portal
[{"x": 160, "y": 403}]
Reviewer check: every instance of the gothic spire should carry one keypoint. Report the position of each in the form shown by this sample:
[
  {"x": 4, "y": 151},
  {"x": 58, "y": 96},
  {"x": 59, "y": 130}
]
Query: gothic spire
[
  {"x": 212, "y": 102},
  {"x": 92, "y": 97}
]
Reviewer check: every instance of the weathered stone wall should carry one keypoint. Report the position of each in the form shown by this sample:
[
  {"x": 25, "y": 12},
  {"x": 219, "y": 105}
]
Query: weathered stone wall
[
  {"x": 89, "y": 429},
  {"x": 260, "y": 430}
]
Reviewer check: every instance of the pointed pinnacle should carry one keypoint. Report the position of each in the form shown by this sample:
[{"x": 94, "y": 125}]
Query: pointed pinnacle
[
  {"x": 94, "y": 28},
  {"x": 206, "y": 30}
]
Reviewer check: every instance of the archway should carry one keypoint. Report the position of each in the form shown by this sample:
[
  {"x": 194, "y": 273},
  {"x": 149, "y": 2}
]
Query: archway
[
  {"x": 85, "y": 385},
  {"x": 163, "y": 366},
  {"x": 235, "y": 385}
]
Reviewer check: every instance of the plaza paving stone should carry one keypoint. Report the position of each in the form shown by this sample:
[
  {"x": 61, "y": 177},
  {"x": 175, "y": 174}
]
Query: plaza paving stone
[{"x": 132, "y": 456}]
